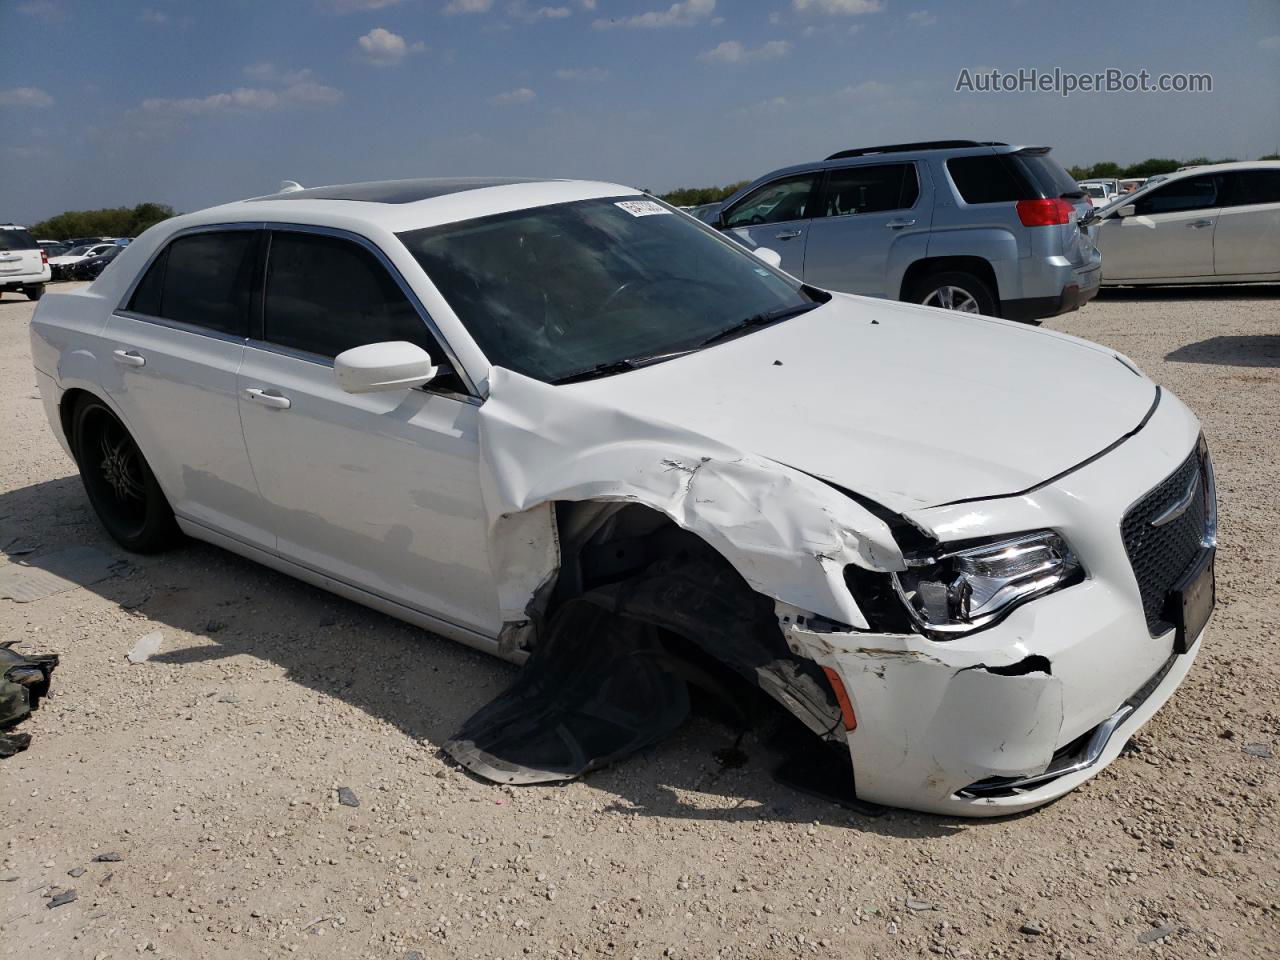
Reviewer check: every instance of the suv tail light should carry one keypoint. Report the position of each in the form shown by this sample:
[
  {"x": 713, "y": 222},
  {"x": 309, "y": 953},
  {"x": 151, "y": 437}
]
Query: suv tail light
[
  {"x": 1045, "y": 213},
  {"x": 44, "y": 257}
]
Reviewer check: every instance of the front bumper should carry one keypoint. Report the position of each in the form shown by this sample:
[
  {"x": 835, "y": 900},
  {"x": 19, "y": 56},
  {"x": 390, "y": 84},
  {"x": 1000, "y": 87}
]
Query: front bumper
[{"x": 1021, "y": 700}]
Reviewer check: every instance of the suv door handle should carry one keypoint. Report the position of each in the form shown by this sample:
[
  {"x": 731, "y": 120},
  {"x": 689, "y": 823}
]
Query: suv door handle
[
  {"x": 898, "y": 224},
  {"x": 787, "y": 234},
  {"x": 1197, "y": 224},
  {"x": 268, "y": 398},
  {"x": 130, "y": 358}
]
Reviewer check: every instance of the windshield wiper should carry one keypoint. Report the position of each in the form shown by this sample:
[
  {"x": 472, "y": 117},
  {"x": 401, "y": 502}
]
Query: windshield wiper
[
  {"x": 610, "y": 367},
  {"x": 759, "y": 320}
]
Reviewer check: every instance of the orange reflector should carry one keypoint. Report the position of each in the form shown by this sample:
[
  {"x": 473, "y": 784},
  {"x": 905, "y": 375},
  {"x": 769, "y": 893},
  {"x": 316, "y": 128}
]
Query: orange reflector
[{"x": 842, "y": 698}]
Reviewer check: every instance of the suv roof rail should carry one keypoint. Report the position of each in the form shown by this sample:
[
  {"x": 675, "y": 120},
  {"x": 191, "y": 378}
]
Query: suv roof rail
[{"x": 922, "y": 145}]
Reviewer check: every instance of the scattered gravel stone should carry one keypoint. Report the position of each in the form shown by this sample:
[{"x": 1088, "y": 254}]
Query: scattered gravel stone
[
  {"x": 108, "y": 858},
  {"x": 1257, "y": 750},
  {"x": 918, "y": 906},
  {"x": 1157, "y": 933},
  {"x": 58, "y": 900},
  {"x": 347, "y": 797},
  {"x": 76, "y": 872},
  {"x": 1031, "y": 929}
]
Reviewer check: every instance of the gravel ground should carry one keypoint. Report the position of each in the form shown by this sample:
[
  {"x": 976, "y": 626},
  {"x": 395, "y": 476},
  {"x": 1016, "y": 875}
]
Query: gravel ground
[{"x": 213, "y": 769}]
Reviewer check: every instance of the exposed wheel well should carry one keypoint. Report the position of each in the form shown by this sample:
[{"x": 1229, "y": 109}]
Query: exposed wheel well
[
  {"x": 922, "y": 268},
  {"x": 67, "y": 412}
]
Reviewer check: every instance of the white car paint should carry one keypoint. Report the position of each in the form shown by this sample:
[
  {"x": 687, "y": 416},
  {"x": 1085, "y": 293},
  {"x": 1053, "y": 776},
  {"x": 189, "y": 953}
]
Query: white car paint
[
  {"x": 1220, "y": 241},
  {"x": 783, "y": 449}
]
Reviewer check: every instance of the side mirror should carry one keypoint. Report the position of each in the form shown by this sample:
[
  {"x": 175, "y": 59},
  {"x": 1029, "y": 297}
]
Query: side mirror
[
  {"x": 375, "y": 367},
  {"x": 1128, "y": 210},
  {"x": 772, "y": 257}
]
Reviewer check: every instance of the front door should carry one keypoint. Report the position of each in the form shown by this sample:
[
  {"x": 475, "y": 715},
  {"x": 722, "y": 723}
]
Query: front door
[
  {"x": 1170, "y": 235},
  {"x": 380, "y": 490},
  {"x": 776, "y": 215}
]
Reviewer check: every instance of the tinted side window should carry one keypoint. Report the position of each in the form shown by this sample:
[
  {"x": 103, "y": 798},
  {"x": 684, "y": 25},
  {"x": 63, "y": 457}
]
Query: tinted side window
[
  {"x": 202, "y": 279},
  {"x": 776, "y": 202},
  {"x": 325, "y": 295},
  {"x": 889, "y": 186},
  {"x": 1250, "y": 186},
  {"x": 1189, "y": 193},
  {"x": 985, "y": 179}
]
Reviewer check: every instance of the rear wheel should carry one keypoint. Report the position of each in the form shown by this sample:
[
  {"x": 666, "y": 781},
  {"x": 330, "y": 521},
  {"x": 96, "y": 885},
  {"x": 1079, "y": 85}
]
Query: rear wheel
[
  {"x": 121, "y": 487},
  {"x": 34, "y": 292},
  {"x": 955, "y": 290}
]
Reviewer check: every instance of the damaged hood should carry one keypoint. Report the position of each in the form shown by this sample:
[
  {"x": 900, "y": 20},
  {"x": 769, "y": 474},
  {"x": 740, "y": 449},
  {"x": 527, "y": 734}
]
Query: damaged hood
[{"x": 910, "y": 406}]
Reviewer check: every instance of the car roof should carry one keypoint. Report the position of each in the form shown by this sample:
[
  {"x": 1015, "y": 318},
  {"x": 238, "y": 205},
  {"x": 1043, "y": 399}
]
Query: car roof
[
  {"x": 1219, "y": 167},
  {"x": 398, "y": 205}
]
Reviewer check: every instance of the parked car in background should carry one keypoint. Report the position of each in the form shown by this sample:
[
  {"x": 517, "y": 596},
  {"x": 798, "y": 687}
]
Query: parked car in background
[
  {"x": 63, "y": 265},
  {"x": 976, "y": 227},
  {"x": 1130, "y": 184},
  {"x": 92, "y": 266},
  {"x": 1100, "y": 192},
  {"x": 23, "y": 263},
  {"x": 53, "y": 248},
  {"x": 560, "y": 421},
  {"x": 1217, "y": 223}
]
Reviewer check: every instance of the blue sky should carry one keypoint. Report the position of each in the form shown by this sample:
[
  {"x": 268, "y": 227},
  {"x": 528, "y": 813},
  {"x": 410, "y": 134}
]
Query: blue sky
[{"x": 108, "y": 103}]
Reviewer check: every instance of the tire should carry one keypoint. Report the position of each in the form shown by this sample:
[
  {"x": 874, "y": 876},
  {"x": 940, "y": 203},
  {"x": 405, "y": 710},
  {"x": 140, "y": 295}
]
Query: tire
[
  {"x": 34, "y": 292},
  {"x": 121, "y": 487},
  {"x": 955, "y": 290}
]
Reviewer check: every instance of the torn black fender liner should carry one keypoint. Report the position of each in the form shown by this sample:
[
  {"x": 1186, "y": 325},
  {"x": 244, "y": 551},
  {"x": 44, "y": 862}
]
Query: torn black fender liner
[
  {"x": 707, "y": 602},
  {"x": 24, "y": 680},
  {"x": 597, "y": 688}
]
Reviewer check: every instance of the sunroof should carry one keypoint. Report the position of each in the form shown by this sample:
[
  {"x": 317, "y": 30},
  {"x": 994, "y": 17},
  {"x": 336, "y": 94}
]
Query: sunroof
[{"x": 399, "y": 191}]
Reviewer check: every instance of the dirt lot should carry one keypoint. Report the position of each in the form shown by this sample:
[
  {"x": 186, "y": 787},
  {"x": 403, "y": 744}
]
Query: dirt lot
[{"x": 211, "y": 770}]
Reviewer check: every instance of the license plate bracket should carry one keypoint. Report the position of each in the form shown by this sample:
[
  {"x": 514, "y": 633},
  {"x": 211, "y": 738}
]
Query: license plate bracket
[{"x": 1192, "y": 599}]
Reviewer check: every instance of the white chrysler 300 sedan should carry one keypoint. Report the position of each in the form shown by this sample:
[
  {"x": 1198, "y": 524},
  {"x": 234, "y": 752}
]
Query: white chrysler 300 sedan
[{"x": 566, "y": 424}]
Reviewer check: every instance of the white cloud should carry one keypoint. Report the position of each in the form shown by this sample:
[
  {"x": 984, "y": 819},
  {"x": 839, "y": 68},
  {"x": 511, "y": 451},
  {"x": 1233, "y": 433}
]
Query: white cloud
[
  {"x": 1270, "y": 43},
  {"x": 303, "y": 93},
  {"x": 25, "y": 97},
  {"x": 583, "y": 74},
  {"x": 551, "y": 13},
  {"x": 513, "y": 98},
  {"x": 842, "y": 7},
  {"x": 356, "y": 6},
  {"x": 682, "y": 14},
  {"x": 270, "y": 73},
  {"x": 48, "y": 10},
  {"x": 731, "y": 51},
  {"x": 468, "y": 6},
  {"x": 382, "y": 48},
  {"x": 157, "y": 18},
  {"x": 922, "y": 18},
  {"x": 866, "y": 90}
]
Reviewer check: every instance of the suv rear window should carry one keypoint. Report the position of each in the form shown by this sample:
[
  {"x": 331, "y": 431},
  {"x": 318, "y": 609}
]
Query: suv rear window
[
  {"x": 986, "y": 179},
  {"x": 17, "y": 240},
  {"x": 1050, "y": 179}
]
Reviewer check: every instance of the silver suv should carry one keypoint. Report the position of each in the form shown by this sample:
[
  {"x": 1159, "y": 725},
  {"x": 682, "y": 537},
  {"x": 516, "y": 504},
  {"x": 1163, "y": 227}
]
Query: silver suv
[{"x": 978, "y": 227}]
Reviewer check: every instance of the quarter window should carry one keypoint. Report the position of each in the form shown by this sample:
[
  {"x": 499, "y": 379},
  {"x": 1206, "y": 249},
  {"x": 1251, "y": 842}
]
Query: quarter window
[
  {"x": 1189, "y": 193},
  {"x": 776, "y": 202},
  {"x": 202, "y": 279},
  {"x": 985, "y": 179},
  {"x": 1245, "y": 187},
  {"x": 325, "y": 295},
  {"x": 870, "y": 189}
]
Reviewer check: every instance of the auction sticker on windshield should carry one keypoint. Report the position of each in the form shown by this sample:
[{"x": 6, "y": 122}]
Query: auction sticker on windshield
[{"x": 641, "y": 208}]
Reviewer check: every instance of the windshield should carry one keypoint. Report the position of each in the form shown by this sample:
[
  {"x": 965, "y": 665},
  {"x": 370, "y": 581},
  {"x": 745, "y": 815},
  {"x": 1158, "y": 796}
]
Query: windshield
[
  {"x": 558, "y": 290},
  {"x": 78, "y": 251},
  {"x": 1094, "y": 190},
  {"x": 16, "y": 240}
]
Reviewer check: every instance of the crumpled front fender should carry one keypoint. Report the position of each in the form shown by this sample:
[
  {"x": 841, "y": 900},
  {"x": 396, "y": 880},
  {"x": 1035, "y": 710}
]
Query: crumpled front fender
[{"x": 789, "y": 535}]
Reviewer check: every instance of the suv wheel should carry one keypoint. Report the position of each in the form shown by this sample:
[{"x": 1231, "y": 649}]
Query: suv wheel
[
  {"x": 34, "y": 292},
  {"x": 955, "y": 290},
  {"x": 121, "y": 487}
]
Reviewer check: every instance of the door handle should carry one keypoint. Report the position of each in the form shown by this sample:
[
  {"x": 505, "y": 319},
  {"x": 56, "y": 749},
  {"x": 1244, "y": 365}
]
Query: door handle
[
  {"x": 898, "y": 224},
  {"x": 268, "y": 398},
  {"x": 787, "y": 235},
  {"x": 130, "y": 358},
  {"x": 1197, "y": 224}
]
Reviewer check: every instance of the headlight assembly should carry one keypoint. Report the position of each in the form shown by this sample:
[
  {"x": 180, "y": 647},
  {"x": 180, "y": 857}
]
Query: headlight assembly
[{"x": 964, "y": 590}]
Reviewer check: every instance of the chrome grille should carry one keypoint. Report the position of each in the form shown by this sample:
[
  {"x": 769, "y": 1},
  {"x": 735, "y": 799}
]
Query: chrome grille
[{"x": 1161, "y": 547}]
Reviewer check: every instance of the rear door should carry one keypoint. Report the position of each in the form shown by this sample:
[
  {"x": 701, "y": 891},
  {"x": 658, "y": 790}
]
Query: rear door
[
  {"x": 379, "y": 490},
  {"x": 20, "y": 255},
  {"x": 1246, "y": 239},
  {"x": 866, "y": 215},
  {"x": 776, "y": 215},
  {"x": 1170, "y": 235},
  {"x": 176, "y": 346}
]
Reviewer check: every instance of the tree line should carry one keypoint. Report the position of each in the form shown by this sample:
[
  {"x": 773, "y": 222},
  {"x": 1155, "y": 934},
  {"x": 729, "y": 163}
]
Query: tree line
[{"x": 108, "y": 222}]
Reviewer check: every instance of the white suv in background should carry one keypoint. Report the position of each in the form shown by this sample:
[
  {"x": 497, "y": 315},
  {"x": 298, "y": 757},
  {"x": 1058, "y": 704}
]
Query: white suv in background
[
  {"x": 1218, "y": 223},
  {"x": 23, "y": 264}
]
